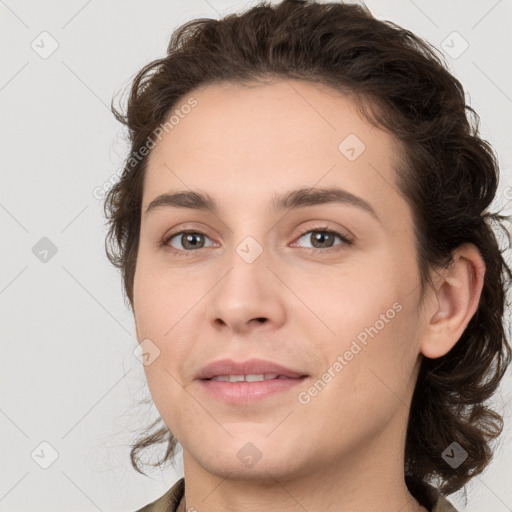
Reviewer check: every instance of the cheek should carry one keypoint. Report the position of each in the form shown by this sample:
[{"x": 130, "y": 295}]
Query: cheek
[
  {"x": 167, "y": 303},
  {"x": 366, "y": 330},
  {"x": 163, "y": 299},
  {"x": 349, "y": 301},
  {"x": 367, "y": 377}
]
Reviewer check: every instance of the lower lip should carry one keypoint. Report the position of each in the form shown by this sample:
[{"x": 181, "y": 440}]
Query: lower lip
[{"x": 248, "y": 392}]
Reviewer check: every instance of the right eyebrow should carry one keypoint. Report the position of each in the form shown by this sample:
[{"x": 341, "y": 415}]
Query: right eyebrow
[{"x": 183, "y": 199}]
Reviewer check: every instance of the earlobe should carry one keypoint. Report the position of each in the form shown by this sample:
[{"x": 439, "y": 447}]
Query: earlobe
[{"x": 455, "y": 301}]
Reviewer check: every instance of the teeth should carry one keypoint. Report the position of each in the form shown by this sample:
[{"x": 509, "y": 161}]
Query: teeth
[{"x": 254, "y": 377}]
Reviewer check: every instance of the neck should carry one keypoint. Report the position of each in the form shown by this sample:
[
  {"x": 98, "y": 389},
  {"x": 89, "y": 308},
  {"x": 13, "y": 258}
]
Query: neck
[{"x": 370, "y": 477}]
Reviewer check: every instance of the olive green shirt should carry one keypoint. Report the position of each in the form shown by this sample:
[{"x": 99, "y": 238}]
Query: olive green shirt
[{"x": 430, "y": 497}]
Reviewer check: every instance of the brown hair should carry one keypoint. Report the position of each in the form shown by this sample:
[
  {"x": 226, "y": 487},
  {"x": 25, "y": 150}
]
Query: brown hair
[{"x": 449, "y": 176}]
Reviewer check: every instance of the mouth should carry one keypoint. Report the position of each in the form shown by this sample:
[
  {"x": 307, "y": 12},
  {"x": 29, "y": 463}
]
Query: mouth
[
  {"x": 254, "y": 377},
  {"x": 250, "y": 389},
  {"x": 251, "y": 370},
  {"x": 247, "y": 382}
]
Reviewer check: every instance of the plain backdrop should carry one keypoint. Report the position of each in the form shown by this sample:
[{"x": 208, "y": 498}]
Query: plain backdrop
[{"x": 69, "y": 379}]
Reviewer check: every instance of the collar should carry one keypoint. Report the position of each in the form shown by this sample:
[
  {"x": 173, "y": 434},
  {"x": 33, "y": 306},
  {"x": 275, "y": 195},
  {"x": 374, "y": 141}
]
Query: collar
[{"x": 427, "y": 495}]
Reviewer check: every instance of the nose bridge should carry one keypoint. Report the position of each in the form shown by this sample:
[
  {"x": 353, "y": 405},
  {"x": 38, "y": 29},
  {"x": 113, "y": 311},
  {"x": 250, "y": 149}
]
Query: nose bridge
[
  {"x": 249, "y": 241},
  {"x": 248, "y": 263}
]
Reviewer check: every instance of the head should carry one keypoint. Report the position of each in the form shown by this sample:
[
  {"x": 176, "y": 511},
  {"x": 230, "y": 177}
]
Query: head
[{"x": 254, "y": 120}]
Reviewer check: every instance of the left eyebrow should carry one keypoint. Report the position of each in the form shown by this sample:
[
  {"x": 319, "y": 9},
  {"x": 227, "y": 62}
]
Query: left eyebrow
[
  {"x": 300, "y": 198},
  {"x": 304, "y": 197}
]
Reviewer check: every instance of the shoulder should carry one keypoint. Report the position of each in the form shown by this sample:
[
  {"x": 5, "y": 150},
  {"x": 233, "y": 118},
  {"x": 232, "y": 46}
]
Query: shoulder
[
  {"x": 428, "y": 495},
  {"x": 169, "y": 502}
]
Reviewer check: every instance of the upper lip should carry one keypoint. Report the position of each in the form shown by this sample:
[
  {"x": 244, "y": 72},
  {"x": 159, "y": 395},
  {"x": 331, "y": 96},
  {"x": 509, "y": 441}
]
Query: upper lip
[{"x": 250, "y": 367}]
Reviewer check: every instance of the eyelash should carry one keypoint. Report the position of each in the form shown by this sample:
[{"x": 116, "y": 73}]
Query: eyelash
[{"x": 322, "y": 229}]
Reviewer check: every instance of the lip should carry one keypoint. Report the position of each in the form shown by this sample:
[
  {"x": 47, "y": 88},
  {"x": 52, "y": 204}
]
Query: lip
[
  {"x": 252, "y": 366},
  {"x": 246, "y": 393},
  {"x": 239, "y": 393}
]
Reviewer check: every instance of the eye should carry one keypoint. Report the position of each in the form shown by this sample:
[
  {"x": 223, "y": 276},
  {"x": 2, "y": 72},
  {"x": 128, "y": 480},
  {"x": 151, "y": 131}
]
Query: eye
[
  {"x": 322, "y": 239},
  {"x": 188, "y": 240}
]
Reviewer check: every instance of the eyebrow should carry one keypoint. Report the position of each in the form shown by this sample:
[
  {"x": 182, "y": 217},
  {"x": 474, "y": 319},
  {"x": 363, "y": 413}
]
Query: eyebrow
[{"x": 294, "y": 199}]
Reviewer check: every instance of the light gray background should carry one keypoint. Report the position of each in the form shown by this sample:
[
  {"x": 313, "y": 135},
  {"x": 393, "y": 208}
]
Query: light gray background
[{"x": 68, "y": 375}]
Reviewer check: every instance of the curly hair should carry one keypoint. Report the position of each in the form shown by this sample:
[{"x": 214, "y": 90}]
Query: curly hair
[{"x": 448, "y": 175}]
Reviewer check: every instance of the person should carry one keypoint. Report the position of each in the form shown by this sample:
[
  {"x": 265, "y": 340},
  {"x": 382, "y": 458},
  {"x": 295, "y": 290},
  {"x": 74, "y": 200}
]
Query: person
[{"x": 304, "y": 231}]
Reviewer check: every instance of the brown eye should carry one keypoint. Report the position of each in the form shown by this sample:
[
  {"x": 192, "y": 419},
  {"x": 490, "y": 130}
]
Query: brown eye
[{"x": 321, "y": 239}]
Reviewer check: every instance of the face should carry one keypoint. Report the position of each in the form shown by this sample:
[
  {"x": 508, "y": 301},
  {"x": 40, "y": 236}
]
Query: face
[{"x": 325, "y": 285}]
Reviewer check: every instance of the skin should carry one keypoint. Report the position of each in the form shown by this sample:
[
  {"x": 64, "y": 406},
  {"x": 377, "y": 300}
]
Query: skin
[{"x": 343, "y": 450}]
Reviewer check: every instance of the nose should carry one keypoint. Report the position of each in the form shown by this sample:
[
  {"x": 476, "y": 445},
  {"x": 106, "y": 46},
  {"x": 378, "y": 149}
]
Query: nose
[{"x": 247, "y": 296}]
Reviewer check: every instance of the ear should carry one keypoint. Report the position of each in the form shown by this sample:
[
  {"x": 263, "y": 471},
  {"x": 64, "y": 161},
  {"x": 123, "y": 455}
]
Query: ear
[{"x": 453, "y": 301}]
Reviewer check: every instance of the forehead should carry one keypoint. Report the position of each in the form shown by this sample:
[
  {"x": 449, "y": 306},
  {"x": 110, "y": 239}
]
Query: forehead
[
  {"x": 307, "y": 118},
  {"x": 246, "y": 141}
]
